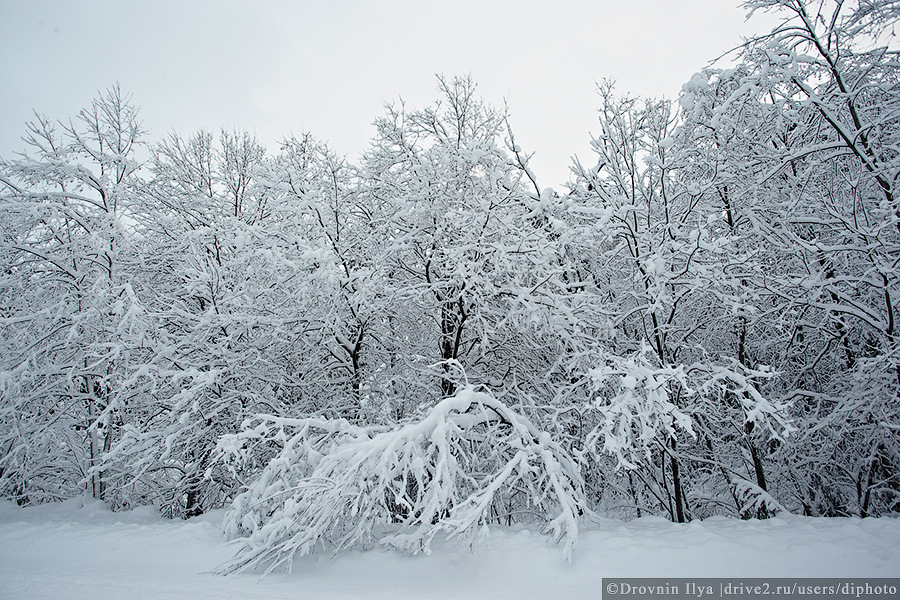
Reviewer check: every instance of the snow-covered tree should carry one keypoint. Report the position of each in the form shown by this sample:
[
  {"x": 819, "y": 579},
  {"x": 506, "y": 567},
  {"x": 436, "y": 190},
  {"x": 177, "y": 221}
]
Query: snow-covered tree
[
  {"x": 73, "y": 322},
  {"x": 825, "y": 207},
  {"x": 224, "y": 278},
  {"x": 465, "y": 260},
  {"x": 451, "y": 471},
  {"x": 344, "y": 297},
  {"x": 667, "y": 260}
]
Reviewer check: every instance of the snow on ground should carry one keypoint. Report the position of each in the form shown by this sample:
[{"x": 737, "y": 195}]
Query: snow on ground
[{"x": 78, "y": 550}]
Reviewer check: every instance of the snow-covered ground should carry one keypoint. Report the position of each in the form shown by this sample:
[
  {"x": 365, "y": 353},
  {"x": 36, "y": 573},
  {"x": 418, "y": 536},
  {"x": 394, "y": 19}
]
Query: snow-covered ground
[{"x": 73, "y": 551}]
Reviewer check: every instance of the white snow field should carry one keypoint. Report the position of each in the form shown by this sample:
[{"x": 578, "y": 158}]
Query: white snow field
[{"x": 78, "y": 550}]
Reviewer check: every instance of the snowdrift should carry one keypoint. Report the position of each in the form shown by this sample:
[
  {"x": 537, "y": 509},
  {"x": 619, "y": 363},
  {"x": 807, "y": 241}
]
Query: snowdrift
[{"x": 74, "y": 552}]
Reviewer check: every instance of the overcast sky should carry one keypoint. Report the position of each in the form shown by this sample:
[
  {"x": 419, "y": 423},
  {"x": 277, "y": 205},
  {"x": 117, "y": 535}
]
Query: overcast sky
[{"x": 328, "y": 66}]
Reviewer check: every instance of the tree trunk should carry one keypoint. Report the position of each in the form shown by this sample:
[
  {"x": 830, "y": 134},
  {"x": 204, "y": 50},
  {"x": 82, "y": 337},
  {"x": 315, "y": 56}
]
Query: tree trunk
[
  {"x": 676, "y": 484},
  {"x": 762, "y": 512},
  {"x": 453, "y": 318},
  {"x": 95, "y": 481}
]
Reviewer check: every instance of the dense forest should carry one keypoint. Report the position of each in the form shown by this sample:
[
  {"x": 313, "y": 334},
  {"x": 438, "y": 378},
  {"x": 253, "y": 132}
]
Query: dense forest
[{"x": 425, "y": 342}]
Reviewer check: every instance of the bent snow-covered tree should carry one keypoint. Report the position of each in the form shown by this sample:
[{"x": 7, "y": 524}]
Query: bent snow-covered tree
[{"x": 467, "y": 462}]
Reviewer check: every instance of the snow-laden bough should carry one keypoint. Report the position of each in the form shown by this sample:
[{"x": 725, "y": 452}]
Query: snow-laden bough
[{"x": 465, "y": 463}]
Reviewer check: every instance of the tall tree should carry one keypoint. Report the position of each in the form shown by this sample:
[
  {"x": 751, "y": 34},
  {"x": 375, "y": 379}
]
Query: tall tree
[
  {"x": 463, "y": 256},
  {"x": 65, "y": 202},
  {"x": 830, "y": 76}
]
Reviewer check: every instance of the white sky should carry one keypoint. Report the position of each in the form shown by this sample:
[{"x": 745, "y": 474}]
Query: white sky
[{"x": 328, "y": 66}]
